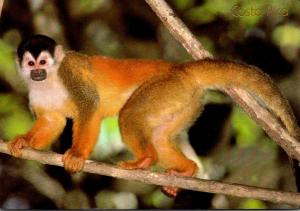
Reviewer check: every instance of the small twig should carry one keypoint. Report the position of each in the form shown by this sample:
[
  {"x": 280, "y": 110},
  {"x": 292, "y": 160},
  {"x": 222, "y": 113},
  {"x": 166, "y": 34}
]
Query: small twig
[
  {"x": 1, "y": 6},
  {"x": 269, "y": 123},
  {"x": 148, "y": 177}
]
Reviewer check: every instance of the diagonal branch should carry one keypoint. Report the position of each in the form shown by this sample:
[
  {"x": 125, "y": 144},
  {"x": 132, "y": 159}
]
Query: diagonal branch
[
  {"x": 148, "y": 177},
  {"x": 1, "y": 6},
  {"x": 269, "y": 123}
]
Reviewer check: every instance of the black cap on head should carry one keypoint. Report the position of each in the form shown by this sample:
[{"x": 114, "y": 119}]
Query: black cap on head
[{"x": 35, "y": 45}]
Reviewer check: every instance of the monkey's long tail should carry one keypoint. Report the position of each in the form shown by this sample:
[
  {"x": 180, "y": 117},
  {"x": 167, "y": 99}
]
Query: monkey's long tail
[{"x": 227, "y": 74}]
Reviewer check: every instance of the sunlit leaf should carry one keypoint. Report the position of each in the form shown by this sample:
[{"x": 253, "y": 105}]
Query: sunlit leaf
[
  {"x": 183, "y": 4},
  {"x": 161, "y": 201},
  {"x": 7, "y": 62},
  {"x": 215, "y": 97},
  {"x": 246, "y": 130},
  {"x": 109, "y": 143},
  {"x": 288, "y": 38},
  {"x": 211, "y": 9},
  {"x": 252, "y": 204},
  {"x": 200, "y": 15},
  {"x": 104, "y": 200},
  {"x": 287, "y": 35},
  {"x": 8, "y": 70},
  {"x": 83, "y": 7},
  {"x": 267, "y": 144},
  {"x": 107, "y": 199},
  {"x": 207, "y": 43},
  {"x": 15, "y": 120},
  {"x": 220, "y": 6}
]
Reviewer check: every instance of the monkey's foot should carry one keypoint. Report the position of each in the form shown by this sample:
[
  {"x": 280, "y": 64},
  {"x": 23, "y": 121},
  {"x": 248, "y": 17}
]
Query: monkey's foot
[
  {"x": 73, "y": 161},
  {"x": 17, "y": 144},
  {"x": 143, "y": 163},
  {"x": 173, "y": 191}
]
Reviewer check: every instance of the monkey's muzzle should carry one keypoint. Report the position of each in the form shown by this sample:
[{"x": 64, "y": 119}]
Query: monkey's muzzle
[{"x": 38, "y": 74}]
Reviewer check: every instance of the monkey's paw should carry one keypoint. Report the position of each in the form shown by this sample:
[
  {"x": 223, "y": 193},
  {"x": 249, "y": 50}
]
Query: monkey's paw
[
  {"x": 143, "y": 163},
  {"x": 170, "y": 191},
  {"x": 73, "y": 161},
  {"x": 17, "y": 144},
  {"x": 173, "y": 191}
]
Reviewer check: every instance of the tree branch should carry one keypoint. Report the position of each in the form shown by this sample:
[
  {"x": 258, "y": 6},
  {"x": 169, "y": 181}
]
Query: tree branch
[
  {"x": 1, "y": 6},
  {"x": 148, "y": 177},
  {"x": 269, "y": 123}
]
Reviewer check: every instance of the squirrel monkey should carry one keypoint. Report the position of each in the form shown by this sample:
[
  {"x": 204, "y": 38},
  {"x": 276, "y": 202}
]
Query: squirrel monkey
[
  {"x": 71, "y": 85},
  {"x": 157, "y": 102}
]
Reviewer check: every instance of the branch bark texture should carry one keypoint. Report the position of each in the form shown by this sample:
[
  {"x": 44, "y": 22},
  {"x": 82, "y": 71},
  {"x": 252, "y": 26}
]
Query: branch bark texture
[
  {"x": 262, "y": 116},
  {"x": 148, "y": 177}
]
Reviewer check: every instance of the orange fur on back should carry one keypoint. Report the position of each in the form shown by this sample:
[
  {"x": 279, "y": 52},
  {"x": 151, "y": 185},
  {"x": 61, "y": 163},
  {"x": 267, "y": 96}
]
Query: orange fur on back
[
  {"x": 125, "y": 73},
  {"x": 118, "y": 78}
]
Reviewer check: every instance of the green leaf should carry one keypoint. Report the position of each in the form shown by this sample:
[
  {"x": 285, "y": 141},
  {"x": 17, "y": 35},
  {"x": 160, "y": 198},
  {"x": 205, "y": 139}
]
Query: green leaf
[
  {"x": 7, "y": 62},
  {"x": 215, "y": 97},
  {"x": 107, "y": 199},
  {"x": 253, "y": 204},
  {"x": 109, "y": 143},
  {"x": 246, "y": 130},
  {"x": 200, "y": 15},
  {"x": 183, "y": 4},
  {"x": 287, "y": 35},
  {"x": 15, "y": 120},
  {"x": 8, "y": 70},
  {"x": 161, "y": 201},
  {"x": 84, "y": 7},
  {"x": 220, "y": 6}
]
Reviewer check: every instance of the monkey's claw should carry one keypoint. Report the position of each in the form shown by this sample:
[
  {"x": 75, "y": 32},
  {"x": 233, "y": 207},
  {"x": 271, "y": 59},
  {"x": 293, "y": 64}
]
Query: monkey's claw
[
  {"x": 73, "y": 161},
  {"x": 17, "y": 144},
  {"x": 171, "y": 191}
]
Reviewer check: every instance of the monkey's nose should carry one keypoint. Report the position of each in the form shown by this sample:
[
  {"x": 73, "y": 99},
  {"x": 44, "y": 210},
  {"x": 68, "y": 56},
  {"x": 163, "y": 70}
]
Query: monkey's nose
[
  {"x": 35, "y": 71},
  {"x": 38, "y": 74}
]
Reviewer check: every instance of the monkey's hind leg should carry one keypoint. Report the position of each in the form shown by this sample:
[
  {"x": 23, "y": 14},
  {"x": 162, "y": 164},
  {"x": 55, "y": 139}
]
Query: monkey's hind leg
[
  {"x": 171, "y": 158},
  {"x": 143, "y": 152},
  {"x": 165, "y": 137}
]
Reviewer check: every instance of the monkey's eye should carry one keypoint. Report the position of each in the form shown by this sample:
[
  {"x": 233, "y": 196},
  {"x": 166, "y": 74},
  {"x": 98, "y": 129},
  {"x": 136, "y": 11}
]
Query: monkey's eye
[
  {"x": 43, "y": 62},
  {"x": 30, "y": 63}
]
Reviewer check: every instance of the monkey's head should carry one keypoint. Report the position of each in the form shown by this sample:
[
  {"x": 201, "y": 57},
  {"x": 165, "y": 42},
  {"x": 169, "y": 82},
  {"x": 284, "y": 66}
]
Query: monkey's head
[{"x": 38, "y": 57}]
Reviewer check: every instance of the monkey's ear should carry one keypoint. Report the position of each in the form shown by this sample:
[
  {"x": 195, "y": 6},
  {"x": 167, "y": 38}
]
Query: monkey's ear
[
  {"x": 18, "y": 63},
  {"x": 17, "y": 59},
  {"x": 59, "y": 53}
]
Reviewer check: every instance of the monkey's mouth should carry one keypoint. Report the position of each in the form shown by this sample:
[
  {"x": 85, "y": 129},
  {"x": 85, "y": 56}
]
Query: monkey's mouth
[{"x": 38, "y": 74}]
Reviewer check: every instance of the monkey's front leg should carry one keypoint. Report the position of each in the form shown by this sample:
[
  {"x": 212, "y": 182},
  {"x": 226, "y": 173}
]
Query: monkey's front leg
[
  {"x": 85, "y": 135},
  {"x": 45, "y": 130}
]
